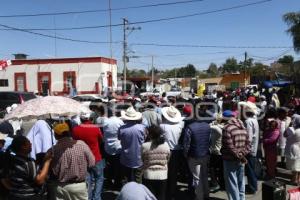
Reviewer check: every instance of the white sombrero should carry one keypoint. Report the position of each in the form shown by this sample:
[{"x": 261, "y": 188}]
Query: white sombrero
[
  {"x": 250, "y": 107},
  {"x": 171, "y": 114},
  {"x": 131, "y": 114},
  {"x": 2, "y": 136}
]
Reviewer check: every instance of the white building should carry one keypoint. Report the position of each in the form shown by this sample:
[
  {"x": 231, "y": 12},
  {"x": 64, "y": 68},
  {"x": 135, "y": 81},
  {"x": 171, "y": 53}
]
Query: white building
[{"x": 60, "y": 75}]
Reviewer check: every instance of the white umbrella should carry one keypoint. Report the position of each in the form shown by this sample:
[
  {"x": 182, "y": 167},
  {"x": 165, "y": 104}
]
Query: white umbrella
[{"x": 47, "y": 106}]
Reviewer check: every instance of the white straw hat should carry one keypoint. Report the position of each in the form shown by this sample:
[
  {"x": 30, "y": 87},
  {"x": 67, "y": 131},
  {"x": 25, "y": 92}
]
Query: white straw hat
[
  {"x": 131, "y": 114},
  {"x": 171, "y": 114},
  {"x": 2, "y": 136}
]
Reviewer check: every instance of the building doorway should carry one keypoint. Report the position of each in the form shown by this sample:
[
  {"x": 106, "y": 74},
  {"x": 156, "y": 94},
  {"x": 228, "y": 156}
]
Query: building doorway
[{"x": 44, "y": 83}]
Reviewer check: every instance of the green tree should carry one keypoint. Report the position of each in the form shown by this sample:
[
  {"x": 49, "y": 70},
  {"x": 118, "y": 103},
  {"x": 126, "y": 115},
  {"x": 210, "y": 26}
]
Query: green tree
[
  {"x": 286, "y": 60},
  {"x": 212, "y": 70},
  {"x": 258, "y": 69},
  {"x": 189, "y": 71},
  {"x": 287, "y": 63},
  {"x": 231, "y": 65},
  {"x": 293, "y": 21}
]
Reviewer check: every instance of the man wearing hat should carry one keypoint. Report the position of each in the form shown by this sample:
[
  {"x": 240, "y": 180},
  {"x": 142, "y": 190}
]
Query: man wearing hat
[
  {"x": 235, "y": 148},
  {"x": 70, "y": 164},
  {"x": 92, "y": 136},
  {"x": 251, "y": 123},
  {"x": 132, "y": 135},
  {"x": 150, "y": 116},
  {"x": 172, "y": 125}
]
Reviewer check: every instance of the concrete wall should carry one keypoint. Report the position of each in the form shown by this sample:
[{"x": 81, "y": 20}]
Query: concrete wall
[{"x": 87, "y": 74}]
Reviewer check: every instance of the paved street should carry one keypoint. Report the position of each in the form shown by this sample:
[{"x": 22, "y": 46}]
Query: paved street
[{"x": 283, "y": 175}]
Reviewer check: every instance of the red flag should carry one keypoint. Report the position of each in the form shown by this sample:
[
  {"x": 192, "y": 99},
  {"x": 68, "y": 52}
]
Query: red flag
[{"x": 4, "y": 64}]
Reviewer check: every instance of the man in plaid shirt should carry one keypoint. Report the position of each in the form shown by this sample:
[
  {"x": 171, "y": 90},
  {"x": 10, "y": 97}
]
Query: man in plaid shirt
[
  {"x": 70, "y": 164},
  {"x": 235, "y": 147}
]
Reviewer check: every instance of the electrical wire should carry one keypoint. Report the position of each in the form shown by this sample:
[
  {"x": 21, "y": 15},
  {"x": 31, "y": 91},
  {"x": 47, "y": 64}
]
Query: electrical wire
[
  {"x": 151, "y": 20},
  {"x": 99, "y": 10},
  {"x": 55, "y": 37},
  {"x": 146, "y": 44},
  {"x": 208, "y": 46}
]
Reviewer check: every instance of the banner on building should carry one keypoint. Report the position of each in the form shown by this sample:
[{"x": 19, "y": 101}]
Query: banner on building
[{"x": 4, "y": 64}]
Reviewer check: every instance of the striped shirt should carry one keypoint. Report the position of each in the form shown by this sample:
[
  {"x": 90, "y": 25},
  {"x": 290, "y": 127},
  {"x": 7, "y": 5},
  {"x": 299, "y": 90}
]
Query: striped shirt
[
  {"x": 235, "y": 140},
  {"x": 22, "y": 177}
]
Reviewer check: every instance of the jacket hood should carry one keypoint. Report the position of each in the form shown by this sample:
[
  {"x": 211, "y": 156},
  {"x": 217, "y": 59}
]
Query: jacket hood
[{"x": 236, "y": 122}]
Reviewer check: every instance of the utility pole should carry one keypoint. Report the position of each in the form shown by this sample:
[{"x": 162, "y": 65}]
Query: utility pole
[
  {"x": 110, "y": 46},
  {"x": 125, "y": 21},
  {"x": 245, "y": 82},
  {"x": 125, "y": 57},
  {"x": 152, "y": 74}
]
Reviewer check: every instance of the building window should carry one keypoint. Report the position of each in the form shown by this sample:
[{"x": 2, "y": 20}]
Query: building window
[
  {"x": 20, "y": 82},
  {"x": 3, "y": 82}
]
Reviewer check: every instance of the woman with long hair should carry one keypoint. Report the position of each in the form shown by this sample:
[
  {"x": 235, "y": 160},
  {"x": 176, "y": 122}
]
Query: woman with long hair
[{"x": 155, "y": 156}]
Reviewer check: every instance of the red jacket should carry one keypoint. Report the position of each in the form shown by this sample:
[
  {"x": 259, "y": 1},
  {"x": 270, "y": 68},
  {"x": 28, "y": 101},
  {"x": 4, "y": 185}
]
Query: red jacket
[{"x": 91, "y": 135}]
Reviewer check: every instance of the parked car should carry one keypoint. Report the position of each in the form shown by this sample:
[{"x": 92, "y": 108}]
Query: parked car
[
  {"x": 154, "y": 92},
  {"x": 174, "y": 92},
  {"x": 9, "y": 98},
  {"x": 89, "y": 97}
]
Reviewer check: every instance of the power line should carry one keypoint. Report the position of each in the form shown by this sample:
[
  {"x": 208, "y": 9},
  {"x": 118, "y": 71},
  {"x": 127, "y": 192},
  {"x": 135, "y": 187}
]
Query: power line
[
  {"x": 146, "y": 44},
  {"x": 99, "y": 10},
  {"x": 151, "y": 20},
  {"x": 208, "y": 46},
  {"x": 55, "y": 37},
  {"x": 274, "y": 57}
]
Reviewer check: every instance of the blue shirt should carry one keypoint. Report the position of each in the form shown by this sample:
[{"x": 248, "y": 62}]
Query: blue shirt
[
  {"x": 112, "y": 144},
  {"x": 132, "y": 136},
  {"x": 8, "y": 141},
  {"x": 40, "y": 138}
]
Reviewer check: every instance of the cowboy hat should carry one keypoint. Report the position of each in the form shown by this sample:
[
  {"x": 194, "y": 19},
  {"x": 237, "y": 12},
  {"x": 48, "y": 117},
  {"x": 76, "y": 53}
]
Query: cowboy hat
[
  {"x": 131, "y": 114},
  {"x": 249, "y": 107},
  {"x": 171, "y": 114},
  {"x": 2, "y": 136}
]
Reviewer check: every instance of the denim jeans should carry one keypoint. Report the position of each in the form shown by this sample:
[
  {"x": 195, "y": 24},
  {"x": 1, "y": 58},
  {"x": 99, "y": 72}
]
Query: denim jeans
[
  {"x": 198, "y": 167},
  {"x": 131, "y": 174},
  {"x": 234, "y": 180},
  {"x": 95, "y": 180},
  {"x": 173, "y": 169},
  {"x": 250, "y": 173}
]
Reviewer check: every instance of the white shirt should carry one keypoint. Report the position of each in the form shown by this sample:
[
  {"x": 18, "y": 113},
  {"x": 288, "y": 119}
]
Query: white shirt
[
  {"x": 253, "y": 132},
  {"x": 172, "y": 133}
]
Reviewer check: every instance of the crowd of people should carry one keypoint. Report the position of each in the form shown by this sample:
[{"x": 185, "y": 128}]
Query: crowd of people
[{"x": 144, "y": 147}]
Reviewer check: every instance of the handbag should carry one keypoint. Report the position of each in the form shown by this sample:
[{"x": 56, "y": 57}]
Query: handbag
[{"x": 259, "y": 169}]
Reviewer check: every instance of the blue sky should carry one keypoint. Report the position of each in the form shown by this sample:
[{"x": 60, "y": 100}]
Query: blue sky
[{"x": 257, "y": 25}]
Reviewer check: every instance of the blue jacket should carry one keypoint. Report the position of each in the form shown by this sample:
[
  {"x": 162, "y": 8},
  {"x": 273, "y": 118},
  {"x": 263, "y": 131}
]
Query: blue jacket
[{"x": 196, "y": 139}]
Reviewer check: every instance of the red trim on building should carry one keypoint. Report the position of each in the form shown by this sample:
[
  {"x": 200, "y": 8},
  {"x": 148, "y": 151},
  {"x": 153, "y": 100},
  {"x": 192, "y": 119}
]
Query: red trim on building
[
  {"x": 65, "y": 60},
  {"x": 109, "y": 79},
  {"x": 88, "y": 92},
  {"x": 17, "y": 75},
  {"x": 62, "y": 93},
  {"x": 39, "y": 81},
  {"x": 97, "y": 88}
]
